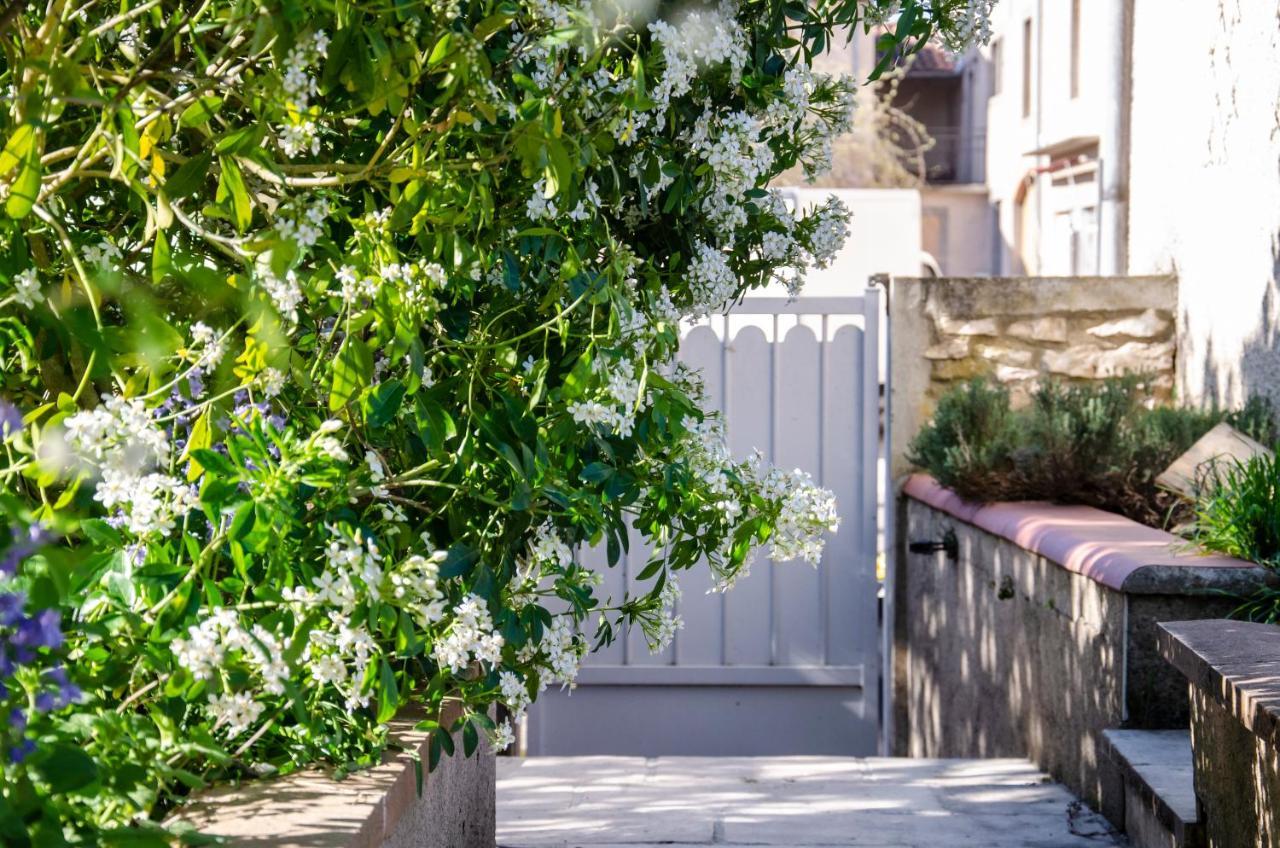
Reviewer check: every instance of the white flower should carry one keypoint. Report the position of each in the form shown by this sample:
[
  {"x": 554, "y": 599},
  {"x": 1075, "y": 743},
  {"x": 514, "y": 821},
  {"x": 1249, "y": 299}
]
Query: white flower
[
  {"x": 272, "y": 381},
  {"x": 328, "y": 669},
  {"x": 102, "y": 254},
  {"x": 285, "y": 293},
  {"x": 502, "y": 737},
  {"x": 235, "y": 712},
  {"x": 26, "y": 288}
]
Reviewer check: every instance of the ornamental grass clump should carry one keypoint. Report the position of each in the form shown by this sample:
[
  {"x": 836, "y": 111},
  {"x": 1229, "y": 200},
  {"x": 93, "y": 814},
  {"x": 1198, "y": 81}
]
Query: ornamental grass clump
[
  {"x": 329, "y": 332},
  {"x": 1238, "y": 514},
  {"x": 1101, "y": 444}
]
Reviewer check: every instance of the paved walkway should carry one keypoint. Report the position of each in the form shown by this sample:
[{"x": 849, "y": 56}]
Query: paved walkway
[{"x": 592, "y": 802}]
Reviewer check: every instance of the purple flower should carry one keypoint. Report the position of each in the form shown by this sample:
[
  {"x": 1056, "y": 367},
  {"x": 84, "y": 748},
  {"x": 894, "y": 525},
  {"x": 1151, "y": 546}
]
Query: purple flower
[
  {"x": 43, "y": 630},
  {"x": 195, "y": 382},
  {"x": 18, "y": 720},
  {"x": 21, "y": 548},
  {"x": 10, "y": 419},
  {"x": 67, "y": 692},
  {"x": 11, "y": 604},
  {"x": 24, "y": 749},
  {"x": 45, "y": 702}
]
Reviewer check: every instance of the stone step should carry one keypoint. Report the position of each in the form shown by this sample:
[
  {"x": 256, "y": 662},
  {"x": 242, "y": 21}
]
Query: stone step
[{"x": 1159, "y": 793}]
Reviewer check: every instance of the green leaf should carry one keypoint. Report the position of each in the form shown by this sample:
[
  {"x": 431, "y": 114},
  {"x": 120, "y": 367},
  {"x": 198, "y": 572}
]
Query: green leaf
[
  {"x": 17, "y": 148},
  {"x": 441, "y": 50},
  {"x": 388, "y": 693},
  {"x": 189, "y": 176},
  {"x": 66, "y": 768},
  {"x": 352, "y": 371},
  {"x": 383, "y": 403},
  {"x": 232, "y": 185},
  {"x": 201, "y": 111},
  {"x": 161, "y": 259},
  {"x": 213, "y": 461},
  {"x": 12, "y": 831},
  {"x": 201, "y": 437},
  {"x": 458, "y": 561},
  {"x": 597, "y": 472},
  {"x": 26, "y": 187},
  {"x": 470, "y": 739}
]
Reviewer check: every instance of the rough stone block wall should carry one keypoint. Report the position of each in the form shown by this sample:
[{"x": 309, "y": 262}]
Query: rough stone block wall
[
  {"x": 1005, "y": 653},
  {"x": 1020, "y": 329}
]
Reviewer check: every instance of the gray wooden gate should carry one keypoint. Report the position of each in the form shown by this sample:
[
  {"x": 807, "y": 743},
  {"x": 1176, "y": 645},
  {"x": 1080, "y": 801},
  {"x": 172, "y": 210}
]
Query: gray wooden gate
[{"x": 788, "y": 661}]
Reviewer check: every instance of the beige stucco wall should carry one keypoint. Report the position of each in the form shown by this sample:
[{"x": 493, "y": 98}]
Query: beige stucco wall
[
  {"x": 956, "y": 228},
  {"x": 1205, "y": 184},
  {"x": 1056, "y": 117}
]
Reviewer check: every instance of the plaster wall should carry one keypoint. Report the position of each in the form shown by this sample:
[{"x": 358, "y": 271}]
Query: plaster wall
[{"x": 1205, "y": 185}]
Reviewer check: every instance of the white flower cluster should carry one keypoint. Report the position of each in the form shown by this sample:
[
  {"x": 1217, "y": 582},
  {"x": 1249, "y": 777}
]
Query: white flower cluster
[
  {"x": 306, "y": 227},
  {"x": 285, "y": 293},
  {"x": 417, "y": 283},
  {"x": 26, "y": 288},
  {"x": 830, "y": 231},
  {"x": 548, "y": 547},
  {"x": 806, "y": 512},
  {"x": 787, "y": 112},
  {"x": 354, "y": 286},
  {"x": 103, "y": 254},
  {"x": 220, "y": 639},
  {"x": 299, "y": 86},
  {"x": 732, "y": 143},
  {"x": 711, "y": 280},
  {"x": 120, "y": 434},
  {"x": 207, "y": 346},
  {"x": 617, "y": 403},
  {"x": 660, "y": 634},
  {"x": 470, "y": 637},
  {"x": 150, "y": 504},
  {"x": 698, "y": 39}
]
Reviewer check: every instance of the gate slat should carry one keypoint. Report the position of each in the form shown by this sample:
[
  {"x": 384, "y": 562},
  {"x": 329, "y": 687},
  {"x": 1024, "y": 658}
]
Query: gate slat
[
  {"x": 750, "y": 389},
  {"x": 845, "y": 592},
  {"x": 798, "y": 637},
  {"x": 699, "y": 642}
]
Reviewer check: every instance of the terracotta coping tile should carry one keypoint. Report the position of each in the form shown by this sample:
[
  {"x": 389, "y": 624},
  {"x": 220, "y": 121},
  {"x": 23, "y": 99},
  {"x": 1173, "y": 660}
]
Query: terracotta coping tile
[{"x": 1107, "y": 548}]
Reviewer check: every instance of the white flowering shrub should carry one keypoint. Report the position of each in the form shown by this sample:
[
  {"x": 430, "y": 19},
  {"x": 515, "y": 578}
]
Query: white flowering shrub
[{"x": 329, "y": 333}]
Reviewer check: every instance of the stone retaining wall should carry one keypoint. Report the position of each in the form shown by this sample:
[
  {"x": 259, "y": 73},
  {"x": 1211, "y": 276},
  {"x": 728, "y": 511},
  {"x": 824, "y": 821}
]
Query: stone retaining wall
[
  {"x": 1041, "y": 633},
  {"x": 381, "y": 807},
  {"x": 1018, "y": 329},
  {"x": 1233, "y": 670}
]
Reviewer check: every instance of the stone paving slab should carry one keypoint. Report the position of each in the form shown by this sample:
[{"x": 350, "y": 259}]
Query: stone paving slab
[{"x": 596, "y": 802}]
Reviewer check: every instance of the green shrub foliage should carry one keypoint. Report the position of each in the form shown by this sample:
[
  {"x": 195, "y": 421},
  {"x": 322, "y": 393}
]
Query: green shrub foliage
[
  {"x": 1238, "y": 514},
  {"x": 1101, "y": 444},
  {"x": 329, "y": 330}
]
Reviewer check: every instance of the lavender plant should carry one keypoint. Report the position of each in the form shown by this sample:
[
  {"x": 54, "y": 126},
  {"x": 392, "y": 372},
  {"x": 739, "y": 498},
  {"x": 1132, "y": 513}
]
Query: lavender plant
[{"x": 328, "y": 331}]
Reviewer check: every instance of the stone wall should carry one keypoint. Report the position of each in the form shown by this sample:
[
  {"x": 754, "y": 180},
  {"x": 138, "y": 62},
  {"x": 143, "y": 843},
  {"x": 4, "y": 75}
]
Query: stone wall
[
  {"x": 1233, "y": 674},
  {"x": 392, "y": 805},
  {"x": 1007, "y": 652},
  {"x": 1018, "y": 329}
]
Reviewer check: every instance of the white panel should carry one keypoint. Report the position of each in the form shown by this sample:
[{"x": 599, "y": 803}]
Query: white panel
[
  {"x": 748, "y": 639},
  {"x": 850, "y": 596},
  {"x": 798, "y": 611},
  {"x": 700, "y": 642}
]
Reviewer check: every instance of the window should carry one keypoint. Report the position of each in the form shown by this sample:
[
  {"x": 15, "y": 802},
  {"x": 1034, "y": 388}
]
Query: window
[
  {"x": 997, "y": 67},
  {"x": 1075, "y": 49},
  {"x": 1026, "y": 68}
]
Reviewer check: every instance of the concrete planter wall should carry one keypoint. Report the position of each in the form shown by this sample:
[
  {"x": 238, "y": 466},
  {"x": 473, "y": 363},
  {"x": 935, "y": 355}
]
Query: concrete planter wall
[
  {"x": 1041, "y": 633},
  {"x": 1233, "y": 671},
  {"x": 376, "y": 808}
]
